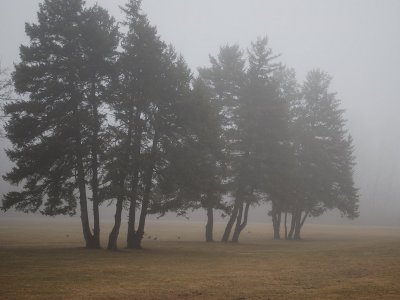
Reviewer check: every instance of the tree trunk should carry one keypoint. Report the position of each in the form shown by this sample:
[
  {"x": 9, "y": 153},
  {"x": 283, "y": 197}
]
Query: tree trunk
[
  {"x": 95, "y": 167},
  {"x": 235, "y": 237},
  {"x": 304, "y": 219},
  {"x": 286, "y": 232},
  {"x": 210, "y": 224},
  {"x": 299, "y": 225},
  {"x": 231, "y": 221},
  {"x": 277, "y": 229},
  {"x": 87, "y": 234},
  {"x": 137, "y": 142},
  {"x": 292, "y": 226},
  {"x": 113, "y": 238},
  {"x": 130, "y": 239},
  {"x": 146, "y": 196},
  {"x": 239, "y": 229},
  {"x": 276, "y": 221}
]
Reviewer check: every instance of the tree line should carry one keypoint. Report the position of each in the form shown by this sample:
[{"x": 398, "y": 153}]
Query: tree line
[{"x": 114, "y": 114}]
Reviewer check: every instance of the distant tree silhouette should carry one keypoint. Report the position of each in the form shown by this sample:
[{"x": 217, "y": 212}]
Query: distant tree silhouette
[
  {"x": 195, "y": 173},
  {"x": 324, "y": 155},
  {"x": 225, "y": 78}
]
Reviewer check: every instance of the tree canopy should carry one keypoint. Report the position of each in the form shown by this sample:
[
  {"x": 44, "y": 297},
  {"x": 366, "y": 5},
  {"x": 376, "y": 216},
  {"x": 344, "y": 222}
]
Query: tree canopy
[{"x": 115, "y": 115}]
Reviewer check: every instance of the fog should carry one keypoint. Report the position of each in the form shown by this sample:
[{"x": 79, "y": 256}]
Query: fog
[{"x": 357, "y": 42}]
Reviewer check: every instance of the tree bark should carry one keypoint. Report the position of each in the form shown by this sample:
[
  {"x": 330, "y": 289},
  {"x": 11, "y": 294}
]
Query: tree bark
[
  {"x": 239, "y": 229},
  {"x": 276, "y": 221},
  {"x": 210, "y": 224},
  {"x": 95, "y": 167},
  {"x": 137, "y": 142},
  {"x": 297, "y": 228},
  {"x": 113, "y": 237},
  {"x": 87, "y": 234},
  {"x": 299, "y": 225},
  {"x": 292, "y": 226},
  {"x": 146, "y": 196},
  {"x": 286, "y": 231},
  {"x": 231, "y": 221},
  {"x": 235, "y": 236}
]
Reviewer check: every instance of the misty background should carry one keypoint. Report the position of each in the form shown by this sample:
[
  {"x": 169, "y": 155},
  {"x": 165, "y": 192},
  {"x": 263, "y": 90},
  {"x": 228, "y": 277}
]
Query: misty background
[{"x": 357, "y": 42}]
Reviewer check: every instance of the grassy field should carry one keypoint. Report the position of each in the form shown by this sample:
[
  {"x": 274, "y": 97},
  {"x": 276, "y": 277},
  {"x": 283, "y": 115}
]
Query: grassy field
[{"x": 45, "y": 260}]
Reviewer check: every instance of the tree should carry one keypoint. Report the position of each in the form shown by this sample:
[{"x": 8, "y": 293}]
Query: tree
[
  {"x": 194, "y": 175},
  {"x": 282, "y": 186},
  {"x": 324, "y": 156},
  {"x": 101, "y": 38},
  {"x": 55, "y": 134},
  {"x": 262, "y": 132},
  {"x": 224, "y": 79},
  {"x": 154, "y": 82},
  {"x": 139, "y": 77}
]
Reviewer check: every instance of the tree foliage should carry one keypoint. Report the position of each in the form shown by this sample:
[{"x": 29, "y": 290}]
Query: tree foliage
[{"x": 120, "y": 117}]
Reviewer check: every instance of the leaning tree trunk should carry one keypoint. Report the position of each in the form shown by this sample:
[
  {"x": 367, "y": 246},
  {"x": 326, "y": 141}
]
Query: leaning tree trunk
[
  {"x": 292, "y": 225},
  {"x": 276, "y": 221},
  {"x": 286, "y": 231},
  {"x": 113, "y": 238},
  {"x": 235, "y": 236},
  {"x": 231, "y": 221},
  {"x": 239, "y": 228},
  {"x": 210, "y": 222},
  {"x": 137, "y": 141},
  {"x": 131, "y": 236},
  {"x": 95, "y": 170},
  {"x": 137, "y": 241},
  {"x": 87, "y": 234},
  {"x": 299, "y": 225}
]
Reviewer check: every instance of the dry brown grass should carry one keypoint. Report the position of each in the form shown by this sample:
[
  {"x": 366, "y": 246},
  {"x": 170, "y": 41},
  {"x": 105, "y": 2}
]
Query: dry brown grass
[{"x": 44, "y": 260}]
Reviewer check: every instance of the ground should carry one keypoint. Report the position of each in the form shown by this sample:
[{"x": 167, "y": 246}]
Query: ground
[{"x": 44, "y": 259}]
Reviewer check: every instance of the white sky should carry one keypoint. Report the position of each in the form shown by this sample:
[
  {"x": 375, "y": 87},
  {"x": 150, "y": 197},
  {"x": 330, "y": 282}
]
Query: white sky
[{"x": 356, "y": 41}]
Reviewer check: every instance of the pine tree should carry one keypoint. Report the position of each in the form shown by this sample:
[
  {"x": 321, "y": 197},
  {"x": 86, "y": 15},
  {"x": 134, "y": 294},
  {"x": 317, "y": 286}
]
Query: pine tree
[
  {"x": 55, "y": 134},
  {"x": 281, "y": 180},
  {"x": 154, "y": 81},
  {"x": 324, "y": 154},
  {"x": 134, "y": 92},
  {"x": 262, "y": 132},
  {"x": 225, "y": 79},
  {"x": 194, "y": 175}
]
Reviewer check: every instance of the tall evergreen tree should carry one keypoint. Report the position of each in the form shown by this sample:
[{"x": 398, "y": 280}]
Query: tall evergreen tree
[
  {"x": 225, "y": 79},
  {"x": 282, "y": 177},
  {"x": 262, "y": 132},
  {"x": 324, "y": 154},
  {"x": 139, "y": 78},
  {"x": 194, "y": 175},
  {"x": 55, "y": 134},
  {"x": 154, "y": 81}
]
